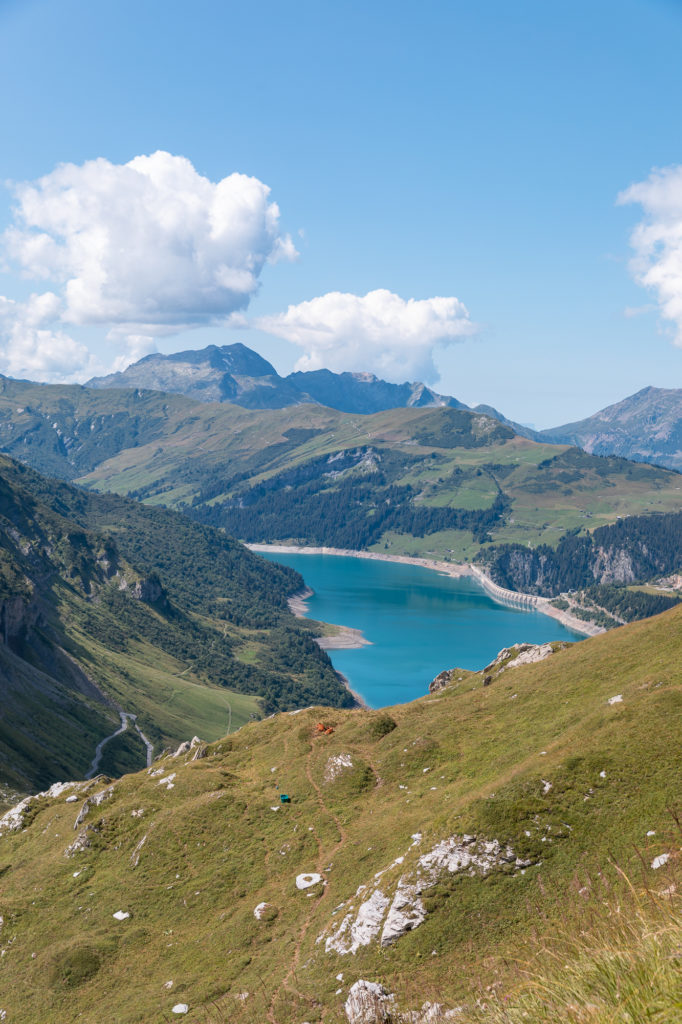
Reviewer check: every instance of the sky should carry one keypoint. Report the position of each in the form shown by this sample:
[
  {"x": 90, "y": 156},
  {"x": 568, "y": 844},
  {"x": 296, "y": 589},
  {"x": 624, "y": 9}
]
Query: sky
[{"x": 486, "y": 197}]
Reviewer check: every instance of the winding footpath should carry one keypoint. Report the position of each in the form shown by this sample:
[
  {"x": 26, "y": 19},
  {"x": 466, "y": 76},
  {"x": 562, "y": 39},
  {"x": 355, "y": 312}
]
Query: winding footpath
[{"x": 125, "y": 718}]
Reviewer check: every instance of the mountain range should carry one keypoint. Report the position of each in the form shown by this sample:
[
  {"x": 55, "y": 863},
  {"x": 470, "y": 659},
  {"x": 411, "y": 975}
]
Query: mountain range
[
  {"x": 646, "y": 427},
  {"x": 235, "y": 373},
  {"x": 432, "y": 482}
]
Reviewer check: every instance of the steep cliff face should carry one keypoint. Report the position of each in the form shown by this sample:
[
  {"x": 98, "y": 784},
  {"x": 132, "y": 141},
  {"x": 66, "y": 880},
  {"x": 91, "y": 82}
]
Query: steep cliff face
[
  {"x": 17, "y": 615},
  {"x": 635, "y": 548},
  {"x": 613, "y": 565},
  {"x": 149, "y": 590}
]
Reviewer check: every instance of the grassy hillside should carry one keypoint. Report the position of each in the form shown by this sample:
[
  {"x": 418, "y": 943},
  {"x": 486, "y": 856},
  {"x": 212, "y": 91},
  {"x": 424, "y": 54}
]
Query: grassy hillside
[
  {"x": 411, "y": 481},
  {"x": 109, "y": 606},
  {"x": 546, "y": 784}
]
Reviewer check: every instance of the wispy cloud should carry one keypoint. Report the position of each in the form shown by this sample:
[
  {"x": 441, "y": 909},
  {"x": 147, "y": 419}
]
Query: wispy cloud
[{"x": 657, "y": 240}]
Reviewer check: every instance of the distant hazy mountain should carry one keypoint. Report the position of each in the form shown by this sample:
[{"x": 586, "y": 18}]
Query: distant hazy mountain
[
  {"x": 365, "y": 393},
  {"x": 646, "y": 427},
  {"x": 234, "y": 373},
  {"x": 230, "y": 373}
]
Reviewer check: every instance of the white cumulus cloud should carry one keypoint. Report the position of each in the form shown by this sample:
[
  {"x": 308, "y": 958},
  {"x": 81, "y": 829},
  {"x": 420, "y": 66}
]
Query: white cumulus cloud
[
  {"x": 382, "y": 332},
  {"x": 657, "y": 240},
  {"x": 31, "y": 346},
  {"x": 145, "y": 248}
]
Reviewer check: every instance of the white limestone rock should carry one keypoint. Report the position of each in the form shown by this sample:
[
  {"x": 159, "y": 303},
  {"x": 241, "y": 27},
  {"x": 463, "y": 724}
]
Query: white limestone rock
[
  {"x": 519, "y": 654},
  {"x": 407, "y": 912},
  {"x": 529, "y": 654},
  {"x": 368, "y": 1003},
  {"x": 361, "y": 928},
  {"x": 135, "y": 855},
  {"x": 92, "y": 801},
  {"x": 397, "y": 907},
  {"x": 80, "y": 843},
  {"x": 336, "y": 765},
  {"x": 306, "y": 880},
  {"x": 185, "y": 747},
  {"x": 13, "y": 819}
]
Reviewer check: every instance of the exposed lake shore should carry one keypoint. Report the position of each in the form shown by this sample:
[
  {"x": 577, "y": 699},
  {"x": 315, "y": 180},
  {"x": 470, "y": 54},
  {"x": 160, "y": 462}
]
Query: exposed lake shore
[
  {"x": 340, "y": 638},
  {"x": 348, "y": 638}
]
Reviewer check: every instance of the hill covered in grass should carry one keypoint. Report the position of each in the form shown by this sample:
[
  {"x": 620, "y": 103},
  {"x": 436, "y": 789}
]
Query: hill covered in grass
[
  {"x": 108, "y": 606},
  {"x": 418, "y": 481},
  {"x": 427, "y": 849}
]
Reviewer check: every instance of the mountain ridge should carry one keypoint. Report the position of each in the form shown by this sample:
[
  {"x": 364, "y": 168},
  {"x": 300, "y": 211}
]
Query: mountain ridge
[
  {"x": 442, "y": 481},
  {"x": 645, "y": 427},
  {"x": 237, "y": 374}
]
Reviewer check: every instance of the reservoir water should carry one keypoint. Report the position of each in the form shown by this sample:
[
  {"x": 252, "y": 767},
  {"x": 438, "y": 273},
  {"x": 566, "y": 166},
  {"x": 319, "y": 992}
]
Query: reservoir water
[{"x": 418, "y": 621}]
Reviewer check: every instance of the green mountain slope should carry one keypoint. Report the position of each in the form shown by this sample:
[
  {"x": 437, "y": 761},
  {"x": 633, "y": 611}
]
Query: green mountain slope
[
  {"x": 445, "y": 833},
  {"x": 411, "y": 481},
  {"x": 108, "y": 606}
]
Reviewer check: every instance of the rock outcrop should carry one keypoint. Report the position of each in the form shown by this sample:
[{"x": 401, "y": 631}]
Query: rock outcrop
[
  {"x": 441, "y": 681},
  {"x": 520, "y": 654},
  {"x": 368, "y": 1003},
  {"x": 187, "y": 746},
  {"x": 17, "y": 615},
  {"x": 148, "y": 590},
  {"x": 392, "y": 904},
  {"x": 13, "y": 819}
]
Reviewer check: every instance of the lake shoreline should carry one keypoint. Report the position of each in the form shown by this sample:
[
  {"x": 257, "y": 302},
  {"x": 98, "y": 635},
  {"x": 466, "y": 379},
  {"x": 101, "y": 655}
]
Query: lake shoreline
[
  {"x": 455, "y": 569},
  {"x": 344, "y": 638}
]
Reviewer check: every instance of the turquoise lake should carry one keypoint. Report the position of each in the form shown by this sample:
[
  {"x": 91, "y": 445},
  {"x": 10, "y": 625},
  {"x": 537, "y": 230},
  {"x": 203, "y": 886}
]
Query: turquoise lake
[{"x": 418, "y": 621}]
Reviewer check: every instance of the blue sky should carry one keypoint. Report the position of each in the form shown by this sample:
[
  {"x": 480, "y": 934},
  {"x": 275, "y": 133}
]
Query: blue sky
[{"x": 444, "y": 149}]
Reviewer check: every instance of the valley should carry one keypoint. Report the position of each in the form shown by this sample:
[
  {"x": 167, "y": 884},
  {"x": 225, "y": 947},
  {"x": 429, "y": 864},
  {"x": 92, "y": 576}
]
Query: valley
[
  {"x": 301, "y": 847},
  {"x": 108, "y": 608}
]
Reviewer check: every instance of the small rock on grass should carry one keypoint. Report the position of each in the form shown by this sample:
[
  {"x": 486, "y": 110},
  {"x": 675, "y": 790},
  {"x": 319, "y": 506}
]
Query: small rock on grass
[{"x": 306, "y": 880}]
